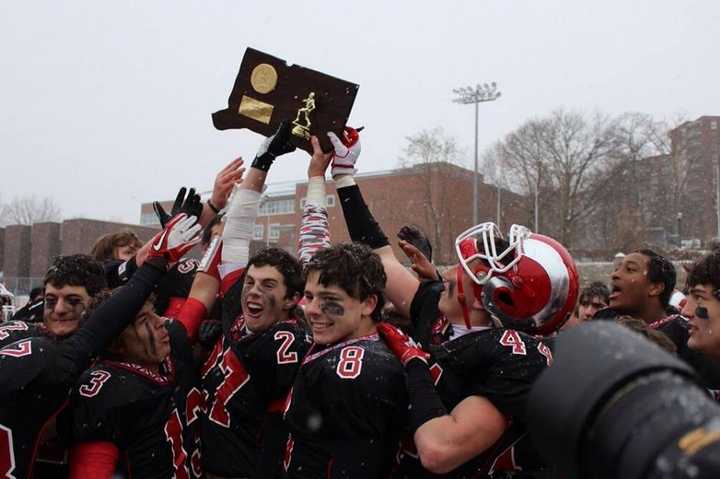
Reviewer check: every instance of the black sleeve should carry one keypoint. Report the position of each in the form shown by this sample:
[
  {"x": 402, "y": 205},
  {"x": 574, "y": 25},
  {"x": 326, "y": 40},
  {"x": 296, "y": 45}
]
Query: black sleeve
[
  {"x": 361, "y": 224},
  {"x": 118, "y": 272},
  {"x": 107, "y": 321},
  {"x": 424, "y": 310}
]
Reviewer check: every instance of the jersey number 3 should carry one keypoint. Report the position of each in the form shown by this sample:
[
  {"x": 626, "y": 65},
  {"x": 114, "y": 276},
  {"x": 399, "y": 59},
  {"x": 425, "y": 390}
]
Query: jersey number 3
[{"x": 350, "y": 363}]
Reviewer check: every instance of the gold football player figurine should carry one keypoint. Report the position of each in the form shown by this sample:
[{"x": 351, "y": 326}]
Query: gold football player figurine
[{"x": 303, "y": 131}]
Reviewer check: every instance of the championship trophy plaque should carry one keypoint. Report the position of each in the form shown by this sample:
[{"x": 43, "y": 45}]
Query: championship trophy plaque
[{"x": 267, "y": 91}]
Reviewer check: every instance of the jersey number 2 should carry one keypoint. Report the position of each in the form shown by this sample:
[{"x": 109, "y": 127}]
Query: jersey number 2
[
  {"x": 283, "y": 357},
  {"x": 350, "y": 363}
]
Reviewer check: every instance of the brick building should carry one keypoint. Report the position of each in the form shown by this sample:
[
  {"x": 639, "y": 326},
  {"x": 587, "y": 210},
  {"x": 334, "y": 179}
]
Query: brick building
[
  {"x": 27, "y": 251},
  {"x": 437, "y": 199}
]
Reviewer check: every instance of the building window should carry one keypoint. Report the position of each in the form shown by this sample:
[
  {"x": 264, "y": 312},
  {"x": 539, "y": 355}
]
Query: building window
[
  {"x": 713, "y": 125},
  {"x": 149, "y": 219},
  {"x": 278, "y": 207},
  {"x": 274, "y": 231},
  {"x": 259, "y": 232}
]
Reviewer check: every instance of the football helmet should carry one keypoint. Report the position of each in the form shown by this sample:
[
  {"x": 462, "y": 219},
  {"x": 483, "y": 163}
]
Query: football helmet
[{"x": 528, "y": 282}]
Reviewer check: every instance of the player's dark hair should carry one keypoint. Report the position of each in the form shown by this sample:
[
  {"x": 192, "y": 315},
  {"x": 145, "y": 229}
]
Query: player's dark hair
[
  {"x": 76, "y": 270},
  {"x": 207, "y": 231},
  {"x": 355, "y": 269},
  {"x": 285, "y": 263},
  {"x": 706, "y": 271},
  {"x": 596, "y": 289},
  {"x": 660, "y": 270},
  {"x": 104, "y": 247}
]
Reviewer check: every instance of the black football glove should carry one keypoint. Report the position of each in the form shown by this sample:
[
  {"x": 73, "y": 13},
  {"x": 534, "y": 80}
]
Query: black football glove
[
  {"x": 274, "y": 146},
  {"x": 415, "y": 237},
  {"x": 190, "y": 205},
  {"x": 209, "y": 332}
]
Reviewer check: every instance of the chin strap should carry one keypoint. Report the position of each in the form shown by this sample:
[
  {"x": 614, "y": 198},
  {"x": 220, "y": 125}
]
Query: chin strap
[
  {"x": 477, "y": 291},
  {"x": 461, "y": 295}
]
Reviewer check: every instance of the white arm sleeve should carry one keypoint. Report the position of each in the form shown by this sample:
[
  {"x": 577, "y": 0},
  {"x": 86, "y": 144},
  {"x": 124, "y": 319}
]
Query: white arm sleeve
[{"x": 239, "y": 227}]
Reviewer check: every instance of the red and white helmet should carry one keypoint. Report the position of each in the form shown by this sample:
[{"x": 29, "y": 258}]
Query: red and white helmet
[{"x": 531, "y": 284}]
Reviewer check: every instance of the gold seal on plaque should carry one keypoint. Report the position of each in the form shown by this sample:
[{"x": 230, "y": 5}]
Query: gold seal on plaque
[{"x": 263, "y": 78}]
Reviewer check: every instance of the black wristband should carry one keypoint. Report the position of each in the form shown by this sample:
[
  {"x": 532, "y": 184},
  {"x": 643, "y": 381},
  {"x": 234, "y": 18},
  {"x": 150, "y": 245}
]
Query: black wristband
[
  {"x": 425, "y": 404},
  {"x": 213, "y": 207},
  {"x": 360, "y": 222},
  {"x": 263, "y": 162}
]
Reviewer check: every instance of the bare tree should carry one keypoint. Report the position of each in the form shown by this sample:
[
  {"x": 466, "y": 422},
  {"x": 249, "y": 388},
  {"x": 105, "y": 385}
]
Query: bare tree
[
  {"x": 27, "y": 210},
  {"x": 560, "y": 156},
  {"x": 435, "y": 156}
]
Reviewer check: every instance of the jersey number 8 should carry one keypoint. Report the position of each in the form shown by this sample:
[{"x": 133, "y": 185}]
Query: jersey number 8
[{"x": 350, "y": 363}]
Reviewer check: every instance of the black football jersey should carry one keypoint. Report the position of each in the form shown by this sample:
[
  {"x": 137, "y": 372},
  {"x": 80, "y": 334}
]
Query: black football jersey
[
  {"x": 245, "y": 381},
  {"x": 177, "y": 283},
  {"x": 152, "y": 418},
  {"x": 500, "y": 365},
  {"x": 346, "y": 412},
  {"x": 38, "y": 372}
]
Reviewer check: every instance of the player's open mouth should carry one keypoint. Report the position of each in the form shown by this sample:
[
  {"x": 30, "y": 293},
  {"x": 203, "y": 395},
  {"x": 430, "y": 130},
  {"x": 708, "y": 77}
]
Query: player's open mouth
[
  {"x": 615, "y": 291},
  {"x": 253, "y": 308}
]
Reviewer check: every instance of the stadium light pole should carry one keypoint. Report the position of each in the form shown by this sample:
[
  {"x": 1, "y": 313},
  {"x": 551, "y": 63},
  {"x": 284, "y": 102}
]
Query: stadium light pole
[{"x": 476, "y": 95}]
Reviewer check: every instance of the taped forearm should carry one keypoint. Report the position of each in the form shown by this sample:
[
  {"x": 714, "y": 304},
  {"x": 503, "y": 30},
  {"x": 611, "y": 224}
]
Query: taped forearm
[
  {"x": 360, "y": 222},
  {"x": 314, "y": 231},
  {"x": 239, "y": 227}
]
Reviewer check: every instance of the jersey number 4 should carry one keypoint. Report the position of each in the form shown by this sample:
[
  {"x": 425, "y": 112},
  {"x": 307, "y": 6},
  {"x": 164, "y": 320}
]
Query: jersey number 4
[{"x": 350, "y": 363}]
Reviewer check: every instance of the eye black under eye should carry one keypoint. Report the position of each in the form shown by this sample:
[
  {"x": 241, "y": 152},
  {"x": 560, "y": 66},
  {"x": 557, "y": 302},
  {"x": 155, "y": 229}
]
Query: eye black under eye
[{"x": 701, "y": 312}]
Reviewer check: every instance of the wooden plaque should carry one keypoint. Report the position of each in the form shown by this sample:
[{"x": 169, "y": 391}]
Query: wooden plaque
[{"x": 267, "y": 91}]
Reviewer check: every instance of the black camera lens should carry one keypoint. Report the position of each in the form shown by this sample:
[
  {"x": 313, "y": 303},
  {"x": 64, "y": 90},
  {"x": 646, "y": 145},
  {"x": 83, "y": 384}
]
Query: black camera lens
[{"x": 613, "y": 405}]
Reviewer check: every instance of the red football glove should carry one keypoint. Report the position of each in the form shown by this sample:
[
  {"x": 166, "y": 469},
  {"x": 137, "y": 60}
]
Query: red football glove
[
  {"x": 401, "y": 344},
  {"x": 178, "y": 237},
  {"x": 211, "y": 259}
]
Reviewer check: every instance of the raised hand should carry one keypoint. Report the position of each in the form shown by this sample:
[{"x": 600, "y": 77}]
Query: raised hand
[
  {"x": 178, "y": 237},
  {"x": 401, "y": 345},
  {"x": 274, "y": 146},
  {"x": 190, "y": 205},
  {"x": 319, "y": 161},
  {"x": 417, "y": 238},
  {"x": 346, "y": 152},
  {"x": 224, "y": 182},
  {"x": 419, "y": 263}
]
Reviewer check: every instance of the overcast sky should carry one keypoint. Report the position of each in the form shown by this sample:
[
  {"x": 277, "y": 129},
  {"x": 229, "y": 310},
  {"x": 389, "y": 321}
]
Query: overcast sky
[{"x": 107, "y": 104}]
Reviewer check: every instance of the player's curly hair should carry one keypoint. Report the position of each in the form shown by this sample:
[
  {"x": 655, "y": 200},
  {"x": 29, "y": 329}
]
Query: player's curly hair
[
  {"x": 77, "y": 270},
  {"x": 355, "y": 269},
  {"x": 285, "y": 263}
]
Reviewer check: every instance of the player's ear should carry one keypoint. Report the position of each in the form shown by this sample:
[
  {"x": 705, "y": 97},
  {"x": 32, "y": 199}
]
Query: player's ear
[
  {"x": 656, "y": 289},
  {"x": 291, "y": 302},
  {"x": 369, "y": 304}
]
